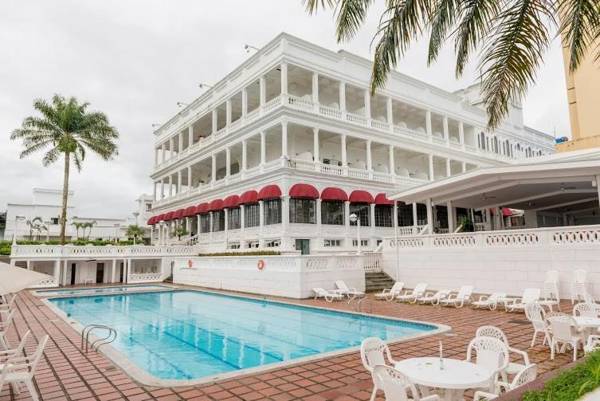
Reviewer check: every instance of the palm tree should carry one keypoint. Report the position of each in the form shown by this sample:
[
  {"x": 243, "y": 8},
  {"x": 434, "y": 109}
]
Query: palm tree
[
  {"x": 134, "y": 231},
  {"x": 89, "y": 225},
  {"x": 512, "y": 37},
  {"x": 78, "y": 225},
  {"x": 69, "y": 130}
]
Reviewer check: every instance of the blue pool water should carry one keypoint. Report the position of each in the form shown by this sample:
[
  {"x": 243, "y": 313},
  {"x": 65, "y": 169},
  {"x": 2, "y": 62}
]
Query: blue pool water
[{"x": 191, "y": 334}]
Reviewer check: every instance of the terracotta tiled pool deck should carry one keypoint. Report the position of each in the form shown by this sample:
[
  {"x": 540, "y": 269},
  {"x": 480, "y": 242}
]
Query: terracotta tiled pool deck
[{"x": 66, "y": 373}]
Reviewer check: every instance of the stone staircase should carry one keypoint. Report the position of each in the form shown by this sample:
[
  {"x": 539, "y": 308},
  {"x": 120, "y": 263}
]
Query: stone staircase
[{"x": 377, "y": 281}]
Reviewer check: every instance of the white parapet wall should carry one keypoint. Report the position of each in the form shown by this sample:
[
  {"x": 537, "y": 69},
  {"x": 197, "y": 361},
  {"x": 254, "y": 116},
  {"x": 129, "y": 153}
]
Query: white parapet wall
[
  {"x": 507, "y": 261},
  {"x": 287, "y": 276}
]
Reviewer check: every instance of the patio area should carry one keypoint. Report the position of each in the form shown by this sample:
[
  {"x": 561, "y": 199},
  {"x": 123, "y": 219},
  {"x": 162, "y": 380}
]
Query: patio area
[{"x": 66, "y": 373}]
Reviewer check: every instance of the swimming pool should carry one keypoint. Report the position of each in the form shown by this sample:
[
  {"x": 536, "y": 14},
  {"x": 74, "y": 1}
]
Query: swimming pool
[
  {"x": 190, "y": 335},
  {"x": 102, "y": 290}
]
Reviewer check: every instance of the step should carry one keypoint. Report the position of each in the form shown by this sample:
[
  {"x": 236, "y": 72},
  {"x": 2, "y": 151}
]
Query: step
[{"x": 377, "y": 281}]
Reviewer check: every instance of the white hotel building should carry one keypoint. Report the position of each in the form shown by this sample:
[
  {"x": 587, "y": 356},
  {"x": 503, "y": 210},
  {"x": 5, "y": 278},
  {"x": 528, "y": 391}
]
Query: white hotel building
[{"x": 281, "y": 151}]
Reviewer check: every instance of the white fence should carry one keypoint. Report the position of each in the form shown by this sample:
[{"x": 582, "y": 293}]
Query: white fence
[{"x": 107, "y": 251}]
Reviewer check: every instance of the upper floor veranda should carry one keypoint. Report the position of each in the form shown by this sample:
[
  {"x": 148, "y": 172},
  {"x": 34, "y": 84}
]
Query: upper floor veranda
[{"x": 291, "y": 74}]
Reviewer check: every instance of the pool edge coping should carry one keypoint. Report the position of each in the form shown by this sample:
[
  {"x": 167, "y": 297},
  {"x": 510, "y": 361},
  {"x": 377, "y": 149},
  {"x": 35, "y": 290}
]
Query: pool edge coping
[{"x": 146, "y": 379}]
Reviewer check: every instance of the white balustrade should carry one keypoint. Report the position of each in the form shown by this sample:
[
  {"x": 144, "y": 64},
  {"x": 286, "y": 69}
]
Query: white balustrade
[
  {"x": 91, "y": 251},
  {"x": 356, "y": 118},
  {"x": 330, "y": 112},
  {"x": 300, "y": 103}
]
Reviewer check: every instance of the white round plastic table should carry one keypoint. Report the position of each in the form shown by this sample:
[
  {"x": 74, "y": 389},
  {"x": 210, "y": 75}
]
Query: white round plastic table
[
  {"x": 587, "y": 322},
  {"x": 455, "y": 377}
]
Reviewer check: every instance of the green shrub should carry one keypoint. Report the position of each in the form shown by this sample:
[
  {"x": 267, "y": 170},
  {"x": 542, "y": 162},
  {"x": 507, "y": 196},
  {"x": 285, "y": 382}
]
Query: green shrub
[
  {"x": 571, "y": 384},
  {"x": 246, "y": 253}
]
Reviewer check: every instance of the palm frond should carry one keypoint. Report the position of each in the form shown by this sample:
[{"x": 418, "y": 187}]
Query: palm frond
[
  {"x": 400, "y": 24},
  {"x": 51, "y": 156},
  {"x": 579, "y": 28},
  {"x": 34, "y": 147},
  {"x": 513, "y": 54},
  {"x": 350, "y": 16},
  {"x": 443, "y": 18},
  {"x": 312, "y": 6},
  {"x": 475, "y": 23}
]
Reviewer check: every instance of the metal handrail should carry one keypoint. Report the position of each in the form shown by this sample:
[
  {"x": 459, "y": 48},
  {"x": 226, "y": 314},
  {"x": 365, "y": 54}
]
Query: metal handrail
[{"x": 87, "y": 330}]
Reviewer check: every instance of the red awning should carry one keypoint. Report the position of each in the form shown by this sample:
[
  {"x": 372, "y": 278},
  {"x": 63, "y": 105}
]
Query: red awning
[
  {"x": 189, "y": 211},
  {"x": 203, "y": 208},
  {"x": 231, "y": 201},
  {"x": 151, "y": 221},
  {"x": 303, "y": 191},
  {"x": 168, "y": 216},
  {"x": 360, "y": 196},
  {"x": 334, "y": 194},
  {"x": 381, "y": 199},
  {"x": 507, "y": 212},
  {"x": 159, "y": 218},
  {"x": 269, "y": 192},
  {"x": 249, "y": 197},
  {"x": 215, "y": 205},
  {"x": 178, "y": 214}
]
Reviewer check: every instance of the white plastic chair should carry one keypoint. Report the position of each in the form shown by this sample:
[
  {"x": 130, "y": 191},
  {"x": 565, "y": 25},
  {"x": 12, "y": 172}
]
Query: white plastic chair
[
  {"x": 4, "y": 326},
  {"x": 396, "y": 386},
  {"x": 489, "y": 301},
  {"x": 586, "y": 309},
  {"x": 343, "y": 289},
  {"x": 329, "y": 296},
  {"x": 530, "y": 295},
  {"x": 564, "y": 331},
  {"x": 8, "y": 302},
  {"x": 9, "y": 353},
  {"x": 578, "y": 285},
  {"x": 536, "y": 315},
  {"x": 490, "y": 353},
  {"x": 459, "y": 299},
  {"x": 374, "y": 352},
  {"x": 389, "y": 294},
  {"x": 433, "y": 298},
  {"x": 592, "y": 344},
  {"x": 21, "y": 369},
  {"x": 412, "y": 295},
  {"x": 550, "y": 295},
  {"x": 527, "y": 375},
  {"x": 513, "y": 368}
]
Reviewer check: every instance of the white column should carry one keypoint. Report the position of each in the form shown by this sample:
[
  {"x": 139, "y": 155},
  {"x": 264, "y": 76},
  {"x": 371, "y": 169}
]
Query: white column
[
  {"x": 214, "y": 167},
  {"x": 163, "y": 151},
  {"x": 170, "y": 184},
  {"x": 261, "y": 215},
  {"x": 244, "y": 156},
  {"x": 198, "y": 226},
  {"x": 113, "y": 278},
  {"x": 214, "y": 122},
  {"x": 367, "y": 104},
  {"x": 154, "y": 191},
  {"x": 189, "y": 174},
  {"x": 227, "y": 162},
  {"x": 598, "y": 188},
  {"x": 415, "y": 217},
  {"x": 151, "y": 235},
  {"x": 171, "y": 147},
  {"x": 262, "y": 91},
  {"x": 343, "y": 99},
  {"x": 179, "y": 182},
  {"x": 429, "y": 216},
  {"x": 344, "y": 155},
  {"x": 318, "y": 214},
  {"x": 263, "y": 148},
  {"x": 464, "y": 167},
  {"x": 244, "y": 102},
  {"x": 226, "y": 213},
  {"x": 461, "y": 133},
  {"x": 284, "y": 140},
  {"x": 284, "y": 79},
  {"x": 390, "y": 113},
  {"x": 316, "y": 144},
  {"x": 446, "y": 130},
  {"x": 448, "y": 168},
  {"x": 431, "y": 169},
  {"x": 315, "y": 90},
  {"x": 395, "y": 216},
  {"x": 369, "y": 156},
  {"x": 228, "y": 112},
  {"x": 391, "y": 160},
  {"x": 162, "y": 188},
  {"x": 285, "y": 213},
  {"x": 155, "y": 156},
  {"x": 190, "y": 135},
  {"x": 451, "y": 221},
  {"x": 180, "y": 143},
  {"x": 242, "y": 219},
  {"x": 428, "y": 123},
  {"x": 57, "y": 271},
  {"x": 347, "y": 218}
]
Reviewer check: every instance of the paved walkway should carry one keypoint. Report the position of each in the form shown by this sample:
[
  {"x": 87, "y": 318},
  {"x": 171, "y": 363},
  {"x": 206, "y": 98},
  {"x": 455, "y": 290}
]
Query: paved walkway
[{"x": 68, "y": 374}]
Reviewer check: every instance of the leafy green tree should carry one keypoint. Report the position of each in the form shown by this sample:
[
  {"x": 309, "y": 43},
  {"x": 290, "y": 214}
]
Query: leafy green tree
[
  {"x": 78, "y": 226},
  {"x": 511, "y": 37},
  {"x": 134, "y": 231},
  {"x": 67, "y": 130}
]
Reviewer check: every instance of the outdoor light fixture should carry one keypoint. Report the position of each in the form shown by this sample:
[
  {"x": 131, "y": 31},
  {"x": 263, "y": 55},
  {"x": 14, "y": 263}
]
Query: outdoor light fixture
[
  {"x": 202, "y": 85},
  {"x": 181, "y": 104},
  {"x": 155, "y": 125},
  {"x": 248, "y": 47}
]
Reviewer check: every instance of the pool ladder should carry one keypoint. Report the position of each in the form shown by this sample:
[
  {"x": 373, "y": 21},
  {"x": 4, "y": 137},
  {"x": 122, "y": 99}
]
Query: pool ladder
[{"x": 87, "y": 330}]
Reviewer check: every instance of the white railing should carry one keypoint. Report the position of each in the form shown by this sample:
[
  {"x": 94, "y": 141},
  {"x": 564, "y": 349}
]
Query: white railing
[
  {"x": 372, "y": 262},
  {"x": 156, "y": 277},
  {"x": 49, "y": 282},
  {"x": 356, "y": 118},
  {"x": 358, "y": 173},
  {"x": 380, "y": 125},
  {"x": 272, "y": 104},
  {"x": 571, "y": 236},
  {"x": 330, "y": 112},
  {"x": 108, "y": 251},
  {"x": 300, "y": 103}
]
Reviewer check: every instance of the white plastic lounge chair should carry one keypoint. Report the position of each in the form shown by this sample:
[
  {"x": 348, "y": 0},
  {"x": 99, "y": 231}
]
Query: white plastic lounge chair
[
  {"x": 21, "y": 369},
  {"x": 10, "y": 353},
  {"x": 396, "y": 386},
  {"x": 343, "y": 289},
  {"x": 460, "y": 298},
  {"x": 412, "y": 295},
  {"x": 7, "y": 303},
  {"x": 513, "y": 368},
  {"x": 490, "y": 353},
  {"x": 4, "y": 326},
  {"x": 564, "y": 331},
  {"x": 329, "y": 296},
  {"x": 374, "y": 352},
  {"x": 389, "y": 294},
  {"x": 433, "y": 298},
  {"x": 530, "y": 295},
  {"x": 489, "y": 301},
  {"x": 525, "y": 376},
  {"x": 586, "y": 309},
  {"x": 579, "y": 285},
  {"x": 536, "y": 315}
]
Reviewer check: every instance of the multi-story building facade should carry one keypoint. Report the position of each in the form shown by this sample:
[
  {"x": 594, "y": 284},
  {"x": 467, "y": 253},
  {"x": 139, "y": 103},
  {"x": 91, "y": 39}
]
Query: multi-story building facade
[{"x": 283, "y": 150}]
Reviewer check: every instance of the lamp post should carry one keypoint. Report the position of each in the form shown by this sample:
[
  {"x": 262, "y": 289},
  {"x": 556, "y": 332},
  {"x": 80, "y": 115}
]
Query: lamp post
[
  {"x": 17, "y": 219},
  {"x": 355, "y": 219},
  {"x": 160, "y": 232}
]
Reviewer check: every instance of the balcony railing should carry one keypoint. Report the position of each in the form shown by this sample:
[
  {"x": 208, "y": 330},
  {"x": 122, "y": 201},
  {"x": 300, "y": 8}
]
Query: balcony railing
[{"x": 90, "y": 251}]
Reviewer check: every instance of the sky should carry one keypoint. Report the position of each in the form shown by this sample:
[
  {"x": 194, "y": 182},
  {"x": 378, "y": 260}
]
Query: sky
[{"x": 135, "y": 59}]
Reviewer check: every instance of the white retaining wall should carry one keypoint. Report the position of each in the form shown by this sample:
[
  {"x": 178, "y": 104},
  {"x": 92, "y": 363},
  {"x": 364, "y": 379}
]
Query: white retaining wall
[
  {"x": 286, "y": 276},
  {"x": 508, "y": 261}
]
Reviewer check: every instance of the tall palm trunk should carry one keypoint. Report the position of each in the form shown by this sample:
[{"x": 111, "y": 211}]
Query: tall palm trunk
[{"x": 65, "y": 199}]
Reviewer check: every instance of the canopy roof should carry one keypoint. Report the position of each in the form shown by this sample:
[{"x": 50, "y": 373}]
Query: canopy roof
[{"x": 550, "y": 184}]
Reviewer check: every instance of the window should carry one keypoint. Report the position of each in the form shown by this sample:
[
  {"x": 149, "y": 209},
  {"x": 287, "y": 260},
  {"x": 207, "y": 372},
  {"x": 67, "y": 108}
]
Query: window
[
  {"x": 54, "y": 220},
  {"x": 363, "y": 242},
  {"x": 148, "y": 206},
  {"x": 328, "y": 243},
  {"x": 302, "y": 211},
  {"x": 252, "y": 215},
  {"x": 421, "y": 214},
  {"x": 253, "y": 244},
  {"x": 405, "y": 215},
  {"x": 205, "y": 223},
  {"x": 332, "y": 212},
  {"x": 233, "y": 218},
  {"x": 274, "y": 243},
  {"x": 363, "y": 211},
  {"x": 383, "y": 216},
  {"x": 233, "y": 245},
  {"x": 218, "y": 219},
  {"x": 272, "y": 209}
]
